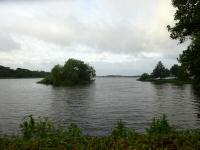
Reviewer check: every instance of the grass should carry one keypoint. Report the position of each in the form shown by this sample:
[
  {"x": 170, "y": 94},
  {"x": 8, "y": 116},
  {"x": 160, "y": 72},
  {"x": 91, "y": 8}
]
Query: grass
[{"x": 40, "y": 133}]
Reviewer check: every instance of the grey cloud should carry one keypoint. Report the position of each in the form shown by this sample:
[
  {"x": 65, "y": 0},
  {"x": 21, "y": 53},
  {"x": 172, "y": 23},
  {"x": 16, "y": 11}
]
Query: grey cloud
[
  {"x": 7, "y": 43},
  {"x": 73, "y": 24},
  {"x": 133, "y": 28}
]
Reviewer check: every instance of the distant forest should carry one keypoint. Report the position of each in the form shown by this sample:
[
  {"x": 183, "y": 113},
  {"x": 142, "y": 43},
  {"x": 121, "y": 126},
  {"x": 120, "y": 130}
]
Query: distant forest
[{"x": 6, "y": 72}]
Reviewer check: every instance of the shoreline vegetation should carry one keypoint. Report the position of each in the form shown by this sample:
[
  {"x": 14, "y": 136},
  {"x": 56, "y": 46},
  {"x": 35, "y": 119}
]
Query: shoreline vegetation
[
  {"x": 160, "y": 74},
  {"x": 120, "y": 76},
  {"x": 172, "y": 81},
  {"x": 42, "y": 134},
  {"x": 74, "y": 72},
  {"x": 8, "y": 73}
]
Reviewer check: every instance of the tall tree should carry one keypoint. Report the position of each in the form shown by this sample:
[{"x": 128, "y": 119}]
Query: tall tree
[
  {"x": 187, "y": 26},
  {"x": 160, "y": 71},
  {"x": 179, "y": 72},
  {"x": 56, "y": 74},
  {"x": 174, "y": 70},
  {"x": 187, "y": 20}
]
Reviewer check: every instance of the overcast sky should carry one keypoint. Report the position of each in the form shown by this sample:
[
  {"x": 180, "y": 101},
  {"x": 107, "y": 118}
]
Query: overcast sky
[{"x": 126, "y": 37}]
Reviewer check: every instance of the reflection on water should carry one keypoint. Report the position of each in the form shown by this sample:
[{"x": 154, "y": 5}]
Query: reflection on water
[
  {"x": 97, "y": 107},
  {"x": 71, "y": 104},
  {"x": 178, "y": 103}
]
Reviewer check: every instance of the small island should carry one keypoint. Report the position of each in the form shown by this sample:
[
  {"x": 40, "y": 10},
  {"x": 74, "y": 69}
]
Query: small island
[
  {"x": 176, "y": 74},
  {"x": 74, "y": 72}
]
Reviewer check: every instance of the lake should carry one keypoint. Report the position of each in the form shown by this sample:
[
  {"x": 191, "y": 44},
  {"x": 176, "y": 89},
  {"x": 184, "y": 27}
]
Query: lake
[{"x": 96, "y": 108}]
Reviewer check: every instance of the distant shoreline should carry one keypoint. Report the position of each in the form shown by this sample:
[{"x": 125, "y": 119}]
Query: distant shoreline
[
  {"x": 162, "y": 81},
  {"x": 21, "y": 77},
  {"x": 8, "y": 73},
  {"x": 43, "y": 77},
  {"x": 96, "y": 76},
  {"x": 119, "y": 76}
]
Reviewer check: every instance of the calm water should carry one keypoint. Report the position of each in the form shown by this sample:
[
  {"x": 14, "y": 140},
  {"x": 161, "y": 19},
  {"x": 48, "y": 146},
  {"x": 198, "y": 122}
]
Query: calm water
[{"x": 96, "y": 108}]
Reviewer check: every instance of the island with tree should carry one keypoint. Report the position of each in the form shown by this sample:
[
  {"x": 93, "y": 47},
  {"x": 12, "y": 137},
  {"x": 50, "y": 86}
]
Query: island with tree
[{"x": 74, "y": 72}]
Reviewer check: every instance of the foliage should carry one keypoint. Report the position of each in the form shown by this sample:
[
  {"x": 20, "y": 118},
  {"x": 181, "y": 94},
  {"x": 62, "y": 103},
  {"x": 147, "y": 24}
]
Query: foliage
[
  {"x": 174, "y": 70},
  {"x": 120, "y": 131},
  {"x": 6, "y": 72},
  {"x": 179, "y": 72},
  {"x": 145, "y": 77},
  {"x": 74, "y": 131},
  {"x": 190, "y": 59},
  {"x": 176, "y": 74},
  {"x": 187, "y": 26},
  {"x": 32, "y": 128},
  {"x": 187, "y": 19},
  {"x": 160, "y": 71},
  {"x": 159, "y": 136},
  {"x": 56, "y": 75},
  {"x": 72, "y": 73},
  {"x": 159, "y": 126}
]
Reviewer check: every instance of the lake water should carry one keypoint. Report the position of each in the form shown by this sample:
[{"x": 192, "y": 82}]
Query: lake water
[{"x": 97, "y": 107}]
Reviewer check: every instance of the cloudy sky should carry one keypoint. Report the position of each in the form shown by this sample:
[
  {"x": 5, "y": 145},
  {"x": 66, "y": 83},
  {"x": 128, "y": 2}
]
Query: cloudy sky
[{"x": 125, "y": 37}]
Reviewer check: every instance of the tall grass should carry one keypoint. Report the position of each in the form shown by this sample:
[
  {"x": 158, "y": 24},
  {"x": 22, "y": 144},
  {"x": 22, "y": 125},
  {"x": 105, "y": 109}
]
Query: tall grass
[
  {"x": 120, "y": 131},
  {"x": 36, "y": 128},
  {"x": 159, "y": 126},
  {"x": 40, "y": 133}
]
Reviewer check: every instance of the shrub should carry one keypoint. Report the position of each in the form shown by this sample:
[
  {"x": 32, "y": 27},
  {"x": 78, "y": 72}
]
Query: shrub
[
  {"x": 159, "y": 126},
  {"x": 73, "y": 131},
  {"x": 120, "y": 131},
  {"x": 145, "y": 77},
  {"x": 32, "y": 128},
  {"x": 122, "y": 138}
]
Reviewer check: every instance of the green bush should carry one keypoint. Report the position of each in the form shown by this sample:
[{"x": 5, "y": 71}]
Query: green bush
[
  {"x": 73, "y": 131},
  {"x": 120, "y": 131},
  {"x": 32, "y": 128},
  {"x": 73, "y": 72},
  {"x": 159, "y": 126},
  {"x": 145, "y": 77},
  {"x": 41, "y": 134}
]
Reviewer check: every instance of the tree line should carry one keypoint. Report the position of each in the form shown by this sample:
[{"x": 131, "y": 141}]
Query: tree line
[
  {"x": 6, "y": 72},
  {"x": 187, "y": 28},
  {"x": 160, "y": 71}
]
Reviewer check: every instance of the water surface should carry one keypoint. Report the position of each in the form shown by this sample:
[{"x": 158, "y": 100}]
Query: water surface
[{"x": 97, "y": 107}]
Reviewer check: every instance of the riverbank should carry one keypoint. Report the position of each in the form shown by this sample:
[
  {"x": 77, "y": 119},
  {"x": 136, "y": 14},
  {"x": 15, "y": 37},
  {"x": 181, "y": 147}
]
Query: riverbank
[
  {"x": 21, "y": 77},
  {"x": 41, "y": 134},
  {"x": 173, "y": 81},
  {"x": 8, "y": 73}
]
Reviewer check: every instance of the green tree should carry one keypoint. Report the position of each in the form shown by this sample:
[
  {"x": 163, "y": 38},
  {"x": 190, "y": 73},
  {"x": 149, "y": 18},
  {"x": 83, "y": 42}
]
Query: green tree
[
  {"x": 190, "y": 59},
  {"x": 72, "y": 73},
  {"x": 6, "y": 72},
  {"x": 187, "y": 26},
  {"x": 160, "y": 71},
  {"x": 179, "y": 72},
  {"x": 187, "y": 19},
  {"x": 174, "y": 70},
  {"x": 77, "y": 71},
  {"x": 56, "y": 75},
  {"x": 145, "y": 77}
]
